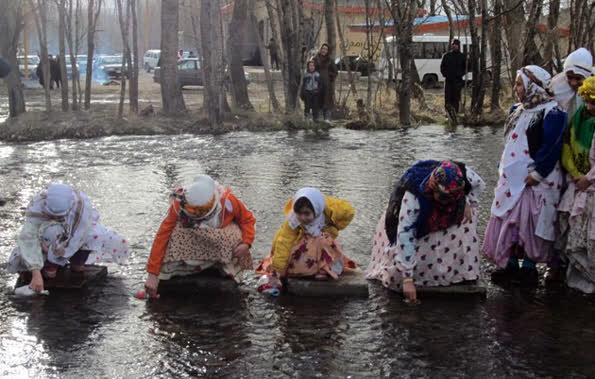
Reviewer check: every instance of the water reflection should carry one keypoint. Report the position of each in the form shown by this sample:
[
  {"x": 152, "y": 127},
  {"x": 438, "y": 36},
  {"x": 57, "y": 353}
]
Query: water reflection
[{"x": 103, "y": 332}]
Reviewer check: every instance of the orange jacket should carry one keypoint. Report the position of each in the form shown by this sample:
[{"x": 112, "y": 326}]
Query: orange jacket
[{"x": 233, "y": 210}]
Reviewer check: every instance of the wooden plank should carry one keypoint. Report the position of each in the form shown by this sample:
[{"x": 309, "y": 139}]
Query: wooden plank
[
  {"x": 348, "y": 284},
  {"x": 202, "y": 282},
  {"x": 67, "y": 279}
]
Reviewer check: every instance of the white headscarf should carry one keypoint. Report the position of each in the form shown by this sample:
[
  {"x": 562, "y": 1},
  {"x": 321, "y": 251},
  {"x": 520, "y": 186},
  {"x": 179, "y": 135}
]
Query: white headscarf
[
  {"x": 580, "y": 62},
  {"x": 51, "y": 232},
  {"x": 58, "y": 200},
  {"x": 318, "y": 202}
]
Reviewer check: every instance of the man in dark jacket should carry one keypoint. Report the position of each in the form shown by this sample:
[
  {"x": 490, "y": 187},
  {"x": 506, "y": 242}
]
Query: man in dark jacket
[
  {"x": 274, "y": 51},
  {"x": 4, "y": 68},
  {"x": 327, "y": 68},
  {"x": 453, "y": 69}
]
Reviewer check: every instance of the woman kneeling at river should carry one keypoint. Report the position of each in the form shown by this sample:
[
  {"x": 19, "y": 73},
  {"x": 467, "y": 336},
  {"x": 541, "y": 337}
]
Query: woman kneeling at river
[
  {"x": 428, "y": 235},
  {"x": 305, "y": 245},
  {"x": 62, "y": 227},
  {"x": 577, "y": 207},
  {"x": 206, "y": 226}
]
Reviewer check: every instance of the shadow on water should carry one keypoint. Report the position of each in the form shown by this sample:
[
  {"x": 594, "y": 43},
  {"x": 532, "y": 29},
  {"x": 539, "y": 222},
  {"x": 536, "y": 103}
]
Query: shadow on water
[{"x": 104, "y": 332}]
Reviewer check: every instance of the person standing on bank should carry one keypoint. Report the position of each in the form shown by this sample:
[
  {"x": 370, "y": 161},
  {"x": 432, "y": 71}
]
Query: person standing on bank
[
  {"x": 311, "y": 89},
  {"x": 274, "y": 52},
  {"x": 453, "y": 69},
  {"x": 328, "y": 73}
]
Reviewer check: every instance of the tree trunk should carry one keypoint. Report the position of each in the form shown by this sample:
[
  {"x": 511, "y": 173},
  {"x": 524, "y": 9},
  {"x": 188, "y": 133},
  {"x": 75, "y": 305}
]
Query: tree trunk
[
  {"x": 531, "y": 52},
  {"x": 451, "y": 25},
  {"x": 403, "y": 13},
  {"x": 352, "y": 86},
  {"x": 329, "y": 19},
  {"x": 496, "y": 49},
  {"x": 515, "y": 20},
  {"x": 124, "y": 20},
  {"x": 11, "y": 24},
  {"x": 93, "y": 11},
  {"x": 289, "y": 13},
  {"x": 73, "y": 51},
  {"x": 478, "y": 58},
  {"x": 39, "y": 9},
  {"x": 212, "y": 60},
  {"x": 237, "y": 31},
  {"x": 171, "y": 93},
  {"x": 61, "y": 4},
  {"x": 133, "y": 69},
  {"x": 265, "y": 63},
  {"x": 552, "y": 34}
]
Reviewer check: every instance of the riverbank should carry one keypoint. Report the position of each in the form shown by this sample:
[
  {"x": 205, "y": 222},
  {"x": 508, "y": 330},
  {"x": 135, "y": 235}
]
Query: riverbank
[{"x": 101, "y": 120}]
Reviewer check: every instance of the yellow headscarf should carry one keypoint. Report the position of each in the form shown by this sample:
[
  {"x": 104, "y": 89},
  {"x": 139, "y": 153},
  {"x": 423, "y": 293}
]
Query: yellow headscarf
[{"x": 587, "y": 90}]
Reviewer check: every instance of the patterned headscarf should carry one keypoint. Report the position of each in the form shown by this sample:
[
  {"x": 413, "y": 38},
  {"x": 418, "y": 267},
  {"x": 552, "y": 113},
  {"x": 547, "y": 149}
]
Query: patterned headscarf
[
  {"x": 445, "y": 187},
  {"x": 536, "y": 81}
]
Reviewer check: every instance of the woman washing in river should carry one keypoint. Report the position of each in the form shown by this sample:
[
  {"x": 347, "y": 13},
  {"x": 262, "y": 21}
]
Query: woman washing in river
[
  {"x": 428, "y": 235},
  {"x": 62, "y": 227},
  {"x": 305, "y": 245},
  {"x": 206, "y": 226}
]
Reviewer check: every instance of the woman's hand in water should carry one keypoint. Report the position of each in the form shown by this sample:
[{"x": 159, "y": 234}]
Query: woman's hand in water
[
  {"x": 409, "y": 291},
  {"x": 468, "y": 217},
  {"x": 151, "y": 285},
  {"x": 37, "y": 281}
]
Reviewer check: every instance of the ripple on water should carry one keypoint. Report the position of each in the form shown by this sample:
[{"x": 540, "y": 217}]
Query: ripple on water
[{"x": 103, "y": 332}]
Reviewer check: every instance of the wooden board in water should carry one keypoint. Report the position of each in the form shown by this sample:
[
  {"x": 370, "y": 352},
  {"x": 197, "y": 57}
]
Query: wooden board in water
[
  {"x": 66, "y": 279},
  {"x": 349, "y": 284}
]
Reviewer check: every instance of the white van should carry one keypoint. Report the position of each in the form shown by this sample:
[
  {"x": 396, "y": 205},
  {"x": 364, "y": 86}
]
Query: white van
[
  {"x": 427, "y": 52},
  {"x": 151, "y": 59}
]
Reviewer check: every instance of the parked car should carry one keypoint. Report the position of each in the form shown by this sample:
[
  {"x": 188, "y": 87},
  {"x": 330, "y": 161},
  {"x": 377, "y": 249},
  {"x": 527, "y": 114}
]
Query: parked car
[
  {"x": 356, "y": 63},
  {"x": 107, "y": 68},
  {"x": 151, "y": 59},
  {"x": 32, "y": 63},
  {"x": 189, "y": 73}
]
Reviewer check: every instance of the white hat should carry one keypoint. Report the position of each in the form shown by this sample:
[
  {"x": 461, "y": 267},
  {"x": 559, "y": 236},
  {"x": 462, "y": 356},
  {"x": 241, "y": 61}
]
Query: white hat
[
  {"x": 580, "y": 62},
  {"x": 201, "y": 191}
]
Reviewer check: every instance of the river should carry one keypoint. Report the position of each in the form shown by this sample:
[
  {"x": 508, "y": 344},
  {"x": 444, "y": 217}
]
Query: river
[{"x": 102, "y": 332}]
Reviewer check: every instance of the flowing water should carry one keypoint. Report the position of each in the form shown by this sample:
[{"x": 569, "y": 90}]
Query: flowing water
[{"x": 102, "y": 332}]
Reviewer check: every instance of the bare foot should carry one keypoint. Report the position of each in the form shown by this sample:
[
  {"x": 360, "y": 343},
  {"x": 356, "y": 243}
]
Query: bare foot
[
  {"x": 321, "y": 276},
  {"x": 50, "y": 273}
]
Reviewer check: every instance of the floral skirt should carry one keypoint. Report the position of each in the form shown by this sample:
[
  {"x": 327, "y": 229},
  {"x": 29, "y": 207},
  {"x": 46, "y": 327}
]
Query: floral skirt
[
  {"x": 443, "y": 258},
  {"x": 311, "y": 256},
  {"x": 190, "y": 251}
]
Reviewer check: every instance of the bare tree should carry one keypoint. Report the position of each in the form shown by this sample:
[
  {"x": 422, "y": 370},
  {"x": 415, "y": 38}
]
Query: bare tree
[
  {"x": 39, "y": 9},
  {"x": 291, "y": 19},
  {"x": 403, "y": 13},
  {"x": 514, "y": 20},
  {"x": 61, "y": 5},
  {"x": 265, "y": 63},
  {"x": 496, "y": 53},
  {"x": 582, "y": 32},
  {"x": 93, "y": 12},
  {"x": 343, "y": 43},
  {"x": 11, "y": 25},
  {"x": 124, "y": 19},
  {"x": 171, "y": 93},
  {"x": 133, "y": 66},
  {"x": 330, "y": 10},
  {"x": 211, "y": 56},
  {"x": 237, "y": 30},
  {"x": 531, "y": 52},
  {"x": 72, "y": 37}
]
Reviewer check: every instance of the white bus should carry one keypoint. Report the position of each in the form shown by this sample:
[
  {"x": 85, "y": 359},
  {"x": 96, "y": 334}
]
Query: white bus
[{"x": 427, "y": 52}]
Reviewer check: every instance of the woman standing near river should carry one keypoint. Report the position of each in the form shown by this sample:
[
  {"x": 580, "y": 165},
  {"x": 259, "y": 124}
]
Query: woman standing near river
[{"x": 523, "y": 213}]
